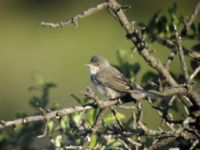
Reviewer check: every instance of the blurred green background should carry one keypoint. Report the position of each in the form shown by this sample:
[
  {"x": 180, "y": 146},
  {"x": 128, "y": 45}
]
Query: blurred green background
[{"x": 60, "y": 54}]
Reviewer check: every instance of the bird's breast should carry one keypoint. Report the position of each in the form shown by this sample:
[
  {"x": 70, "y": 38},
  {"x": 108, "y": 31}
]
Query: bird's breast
[{"x": 108, "y": 92}]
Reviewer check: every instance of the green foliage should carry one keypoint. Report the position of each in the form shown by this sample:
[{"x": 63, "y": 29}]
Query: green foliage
[
  {"x": 163, "y": 25},
  {"x": 93, "y": 142},
  {"x": 129, "y": 69},
  {"x": 110, "y": 118},
  {"x": 44, "y": 87},
  {"x": 23, "y": 136}
]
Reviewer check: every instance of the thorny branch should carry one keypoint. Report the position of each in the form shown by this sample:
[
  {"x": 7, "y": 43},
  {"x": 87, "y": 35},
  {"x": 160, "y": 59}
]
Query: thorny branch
[
  {"x": 186, "y": 129},
  {"x": 74, "y": 19},
  {"x": 55, "y": 114}
]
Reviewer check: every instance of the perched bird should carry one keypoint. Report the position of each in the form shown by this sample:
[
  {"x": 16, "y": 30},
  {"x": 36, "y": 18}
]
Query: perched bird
[{"x": 110, "y": 82}]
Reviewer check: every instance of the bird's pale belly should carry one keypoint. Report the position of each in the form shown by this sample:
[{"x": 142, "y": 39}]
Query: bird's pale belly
[{"x": 108, "y": 92}]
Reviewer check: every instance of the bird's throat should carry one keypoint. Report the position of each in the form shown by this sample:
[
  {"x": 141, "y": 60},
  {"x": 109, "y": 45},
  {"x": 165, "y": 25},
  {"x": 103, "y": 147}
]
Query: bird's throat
[{"x": 93, "y": 70}]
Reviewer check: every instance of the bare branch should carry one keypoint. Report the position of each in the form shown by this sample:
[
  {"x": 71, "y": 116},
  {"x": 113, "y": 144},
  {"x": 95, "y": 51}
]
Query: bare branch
[
  {"x": 181, "y": 55},
  {"x": 173, "y": 91},
  {"x": 194, "y": 15},
  {"x": 161, "y": 143},
  {"x": 196, "y": 71},
  {"x": 71, "y": 147},
  {"x": 74, "y": 19},
  {"x": 194, "y": 144},
  {"x": 56, "y": 113}
]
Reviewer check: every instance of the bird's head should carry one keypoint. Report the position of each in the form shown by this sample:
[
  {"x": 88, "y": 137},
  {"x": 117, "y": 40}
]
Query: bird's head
[{"x": 97, "y": 63}]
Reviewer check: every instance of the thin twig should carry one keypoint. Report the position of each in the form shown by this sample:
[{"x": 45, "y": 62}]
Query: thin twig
[
  {"x": 194, "y": 144},
  {"x": 75, "y": 19},
  {"x": 44, "y": 132},
  {"x": 56, "y": 113},
  {"x": 128, "y": 107},
  {"x": 181, "y": 55},
  {"x": 171, "y": 45},
  {"x": 194, "y": 15},
  {"x": 114, "y": 111},
  {"x": 71, "y": 147},
  {"x": 193, "y": 75},
  {"x": 161, "y": 143}
]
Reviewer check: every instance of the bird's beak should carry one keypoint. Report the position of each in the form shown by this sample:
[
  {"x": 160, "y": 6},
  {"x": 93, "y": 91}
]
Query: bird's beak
[{"x": 88, "y": 65}]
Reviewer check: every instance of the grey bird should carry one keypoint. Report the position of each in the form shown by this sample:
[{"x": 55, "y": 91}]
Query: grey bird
[{"x": 110, "y": 82}]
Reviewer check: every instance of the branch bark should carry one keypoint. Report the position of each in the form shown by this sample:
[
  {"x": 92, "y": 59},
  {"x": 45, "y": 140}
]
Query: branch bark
[
  {"x": 74, "y": 20},
  {"x": 56, "y": 114}
]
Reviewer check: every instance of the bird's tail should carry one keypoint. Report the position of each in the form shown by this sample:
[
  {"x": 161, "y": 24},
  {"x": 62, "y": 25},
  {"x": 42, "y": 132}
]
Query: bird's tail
[{"x": 141, "y": 94}]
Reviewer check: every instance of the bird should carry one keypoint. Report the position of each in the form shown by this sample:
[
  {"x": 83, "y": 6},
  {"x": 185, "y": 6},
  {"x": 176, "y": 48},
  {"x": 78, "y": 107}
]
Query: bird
[{"x": 110, "y": 82}]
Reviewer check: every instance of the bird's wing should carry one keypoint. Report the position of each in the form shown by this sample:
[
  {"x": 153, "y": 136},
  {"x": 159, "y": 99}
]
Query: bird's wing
[{"x": 112, "y": 78}]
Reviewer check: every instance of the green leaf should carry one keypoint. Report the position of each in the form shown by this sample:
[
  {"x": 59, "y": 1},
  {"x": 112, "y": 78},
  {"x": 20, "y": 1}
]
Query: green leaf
[
  {"x": 93, "y": 142},
  {"x": 79, "y": 100},
  {"x": 129, "y": 121},
  {"x": 136, "y": 68},
  {"x": 58, "y": 141},
  {"x": 134, "y": 49},
  {"x": 50, "y": 126},
  {"x": 113, "y": 143},
  {"x": 172, "y": 10},
  {"x": 162, "y": 24},
  {"x": 196, "y": 47},
  {"x": 92, "y": 115},
  {"x": 64, "y": 123},
  {"x": 153, "y": 21},
  {"x": 111, "y": 118},
  {"x": 193, "y": 28},
  {"x": 77, "y": 117},
  {"x": 35, "y": 102},
  {"x": 122, "y": 56}
]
